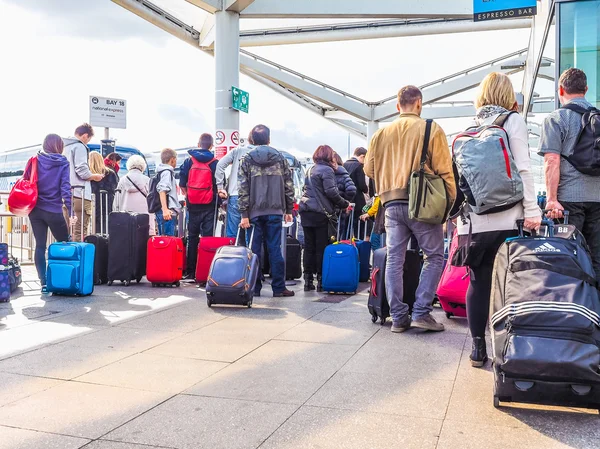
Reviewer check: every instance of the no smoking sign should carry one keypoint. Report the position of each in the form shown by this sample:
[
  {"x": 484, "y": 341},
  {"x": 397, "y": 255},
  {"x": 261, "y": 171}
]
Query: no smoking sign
[
  {"x": 235, "y": 138},
  {"x": 219, "y": 137}
]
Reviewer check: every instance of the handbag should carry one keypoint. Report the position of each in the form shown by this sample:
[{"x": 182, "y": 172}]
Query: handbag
[
  {"x": 24, "y": 194},
  {"x": 427, "y": 197}
]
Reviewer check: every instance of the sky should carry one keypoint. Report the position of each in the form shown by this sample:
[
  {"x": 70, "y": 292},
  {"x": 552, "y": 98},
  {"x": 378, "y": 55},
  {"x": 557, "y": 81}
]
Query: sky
[{"x": 56, "y": 53}]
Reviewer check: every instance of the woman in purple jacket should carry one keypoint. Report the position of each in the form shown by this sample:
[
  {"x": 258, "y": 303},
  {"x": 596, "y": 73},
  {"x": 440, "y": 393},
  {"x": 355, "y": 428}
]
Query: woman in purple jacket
[{"x": 54, "y": 190}]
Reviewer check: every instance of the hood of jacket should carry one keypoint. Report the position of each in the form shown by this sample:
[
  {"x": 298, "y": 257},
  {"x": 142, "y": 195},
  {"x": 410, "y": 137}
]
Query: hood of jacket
[
  {"x": 161, "y": 167},
  {"x": 201, "y": 155},
  {"x": 264, "y": 156},
  {"x": 49, "y": 161}
]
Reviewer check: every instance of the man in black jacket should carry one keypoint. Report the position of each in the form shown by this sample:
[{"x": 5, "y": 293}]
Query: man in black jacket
[
  {"x": 355, "y": 169},
  {"x": 266, "y": 196}
]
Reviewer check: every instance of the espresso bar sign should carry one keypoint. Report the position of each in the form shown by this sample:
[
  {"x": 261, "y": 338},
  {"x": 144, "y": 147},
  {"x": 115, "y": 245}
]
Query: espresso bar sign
[{"x": 503, "y": 9}]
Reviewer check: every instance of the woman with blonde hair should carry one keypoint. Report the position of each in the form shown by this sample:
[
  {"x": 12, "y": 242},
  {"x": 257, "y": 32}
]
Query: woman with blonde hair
[
  {"x": 109, "y": 183},
  {"x": 495, "y": 102},
  {"x": 133, "y": 189}
]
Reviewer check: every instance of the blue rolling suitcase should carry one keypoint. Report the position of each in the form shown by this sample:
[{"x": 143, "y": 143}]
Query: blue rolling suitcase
[
  {"x": 232, "y": 276},
  {"x": 364, "y": 255},
  {"x": 4, "y": 274},
  {"x": 71, "y": 265},
  {"x": 340, "y": 268}
]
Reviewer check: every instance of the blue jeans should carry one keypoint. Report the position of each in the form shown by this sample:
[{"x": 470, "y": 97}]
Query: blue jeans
[
  {"x": 269, "y": 227},
  {"x": 399, "y": 228},
  {"x": 168, "y": 228},
  {"x": 233, "y": 216}
]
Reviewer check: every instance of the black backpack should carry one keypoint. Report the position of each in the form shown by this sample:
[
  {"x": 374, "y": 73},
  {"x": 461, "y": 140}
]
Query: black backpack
[
  {"x": 153, "y": 197},
  {"x": 586, "y": 154}
]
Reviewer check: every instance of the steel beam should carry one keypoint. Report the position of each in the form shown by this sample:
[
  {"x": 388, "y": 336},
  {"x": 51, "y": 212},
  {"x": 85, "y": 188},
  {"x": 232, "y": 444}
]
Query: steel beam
[
  {"x": 372, "y": 30},
  {"x": 358, "y": 129},
  {"x": 360, "y": 9},
  {"x": 236, "y": 5},
  {"x": 211, "y": 6},
  {"x": 207, "y": 34}
]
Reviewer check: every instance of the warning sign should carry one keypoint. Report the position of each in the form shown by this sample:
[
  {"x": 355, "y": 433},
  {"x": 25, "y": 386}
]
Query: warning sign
[
  {"x": 219, "y": 137},
  {"x": 226, "y": 140},
  {"x": 235, "y": 138}
]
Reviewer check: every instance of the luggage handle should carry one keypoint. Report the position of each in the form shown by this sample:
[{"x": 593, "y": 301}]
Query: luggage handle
[
  {"x": 545, "y": 221},
  {"x": 364, "y": 228},
  {"x": 565, "y": 214},
  {"x": 237, "y": 237},
  {"x": 73, "y": 209},
  {"x": 103, "y": 218},
  {"x": 350, "y": 224}
]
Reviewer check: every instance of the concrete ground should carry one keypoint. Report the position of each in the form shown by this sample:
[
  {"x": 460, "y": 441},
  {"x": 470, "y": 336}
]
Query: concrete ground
[{"x": 139, "y": 368}]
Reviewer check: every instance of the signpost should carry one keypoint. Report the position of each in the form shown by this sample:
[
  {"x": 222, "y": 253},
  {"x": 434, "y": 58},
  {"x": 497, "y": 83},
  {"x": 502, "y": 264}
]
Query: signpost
[
  {"x": 225, "y": 141},
  {"x": 108, "y": 113},
  {"x": 503, "y": 9},
  {"x": 240, "y": 99}
]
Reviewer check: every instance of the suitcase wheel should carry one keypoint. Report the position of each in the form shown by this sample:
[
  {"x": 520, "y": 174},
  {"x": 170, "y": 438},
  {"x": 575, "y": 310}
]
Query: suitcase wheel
[
  {"x": 208, "y": 302},
  {"x": 383, "y": 320},
  {"x": 449, "y": 315},
  {"x": 127, "y": 283},
  {"x": 138, "y": 280},
  {"x": 374, "y": 318},
  {"x": 496, "y": 402},
  {"x": 177, "y": 284},
  {"x": 249, "y": 304},
  {"x": 153, "y": 285},
  {"x": 109, "y": 283}
]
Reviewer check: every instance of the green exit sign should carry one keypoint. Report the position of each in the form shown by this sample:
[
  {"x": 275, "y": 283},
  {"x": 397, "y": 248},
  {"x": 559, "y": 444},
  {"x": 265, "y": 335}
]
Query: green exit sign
[{"x": 240, "y": 99}]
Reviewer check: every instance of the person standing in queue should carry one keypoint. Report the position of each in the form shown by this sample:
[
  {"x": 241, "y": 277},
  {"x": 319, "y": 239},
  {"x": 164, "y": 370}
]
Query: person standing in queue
[
  {"x": 166, "y": 218},
  {"x": 108, "y": 184},
  {"x": 266, "y": 197},
  {"x": 355, "y": 168},
  {"x": 320, "y": 199}
]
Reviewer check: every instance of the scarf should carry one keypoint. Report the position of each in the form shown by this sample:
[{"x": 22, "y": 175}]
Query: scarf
[
  {"x": 112, "y": 164},
  {"x": 489, "y": 111}
]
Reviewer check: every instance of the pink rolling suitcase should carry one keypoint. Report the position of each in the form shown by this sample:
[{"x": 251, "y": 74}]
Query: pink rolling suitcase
[{"x": 452, "y": 289}]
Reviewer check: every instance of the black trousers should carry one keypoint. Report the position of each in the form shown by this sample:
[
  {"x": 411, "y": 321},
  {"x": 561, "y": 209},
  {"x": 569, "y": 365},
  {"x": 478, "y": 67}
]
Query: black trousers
[
  {"x": 41, "y": 221},
  {"x": 482, "y": 253},
  {"x": 316, "y": 238},
  {"x": 586, "y": 218},
  {"x": 201, "y": 223}
]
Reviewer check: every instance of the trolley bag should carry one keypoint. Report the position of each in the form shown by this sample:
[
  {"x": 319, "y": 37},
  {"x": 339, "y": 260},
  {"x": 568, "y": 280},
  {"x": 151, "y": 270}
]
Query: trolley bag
[
  {"x": 232, "y": 275},
  {"x": 293, "y": 258},
  {"x": 452, "y": 289},
  {"x": 100, "y": 242},
  {"x": 341, "y": 266},
  {"x": 70, "y": 269},
  {"x": 15, "y": 275},
  {"x": 545, "y": 323},
  {"x": 413, "y": 264},
  {"x": 207, "y": 248},
  {"x": 128, "y": 236},
  {"x": 165, "y": 261},
  {"x": 5, "y": 289},
  {"x": 378, "y": 304}
]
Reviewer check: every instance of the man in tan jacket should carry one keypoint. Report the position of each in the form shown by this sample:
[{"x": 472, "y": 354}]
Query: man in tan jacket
[{"x": 395, "y": 152}]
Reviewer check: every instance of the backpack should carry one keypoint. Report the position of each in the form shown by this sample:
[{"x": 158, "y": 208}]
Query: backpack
[
  {"x": 153, "y": 198},
  {"x": 200, "y": 185},
  {"x": 488, "y": 174},
  {"x": 586, "y": 153}
]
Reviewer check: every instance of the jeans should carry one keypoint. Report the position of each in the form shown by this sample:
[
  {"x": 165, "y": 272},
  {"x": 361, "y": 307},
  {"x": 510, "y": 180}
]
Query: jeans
[
  {"x": 201, "y": 223},
  {"x": 399, "y": 229},
  {"x": 269, "y": 228},
  {"x": 586, "y": 218},
  {"x": 168, "y": 228},
  {"x": 233, "y": 216},
  {"x": 40, "y": 222},
  {"x": 316, "y": 238}
]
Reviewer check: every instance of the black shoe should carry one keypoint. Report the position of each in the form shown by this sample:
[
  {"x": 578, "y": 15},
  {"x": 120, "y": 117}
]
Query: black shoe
[
  {"x": 319, "y": 284},
  {"x": 284, "y": 294},
  {"x": 257, "y": 294},
  {"x": 478, "y": 353},
  {"x": 308, "y": 283}
]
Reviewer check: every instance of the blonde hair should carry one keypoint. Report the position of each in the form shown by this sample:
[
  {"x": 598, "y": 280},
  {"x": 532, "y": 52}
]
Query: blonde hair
[
  {"x": 96, "y": 163},
  {"x": 496, "y": 89}
]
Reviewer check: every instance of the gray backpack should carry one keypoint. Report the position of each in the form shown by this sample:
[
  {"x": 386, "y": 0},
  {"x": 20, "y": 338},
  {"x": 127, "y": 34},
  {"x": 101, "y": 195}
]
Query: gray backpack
[{"x": 488, "y": 175}]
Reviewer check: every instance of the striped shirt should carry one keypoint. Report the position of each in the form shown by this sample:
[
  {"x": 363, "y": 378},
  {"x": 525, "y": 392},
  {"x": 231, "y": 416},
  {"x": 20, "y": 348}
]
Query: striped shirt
[{"x": 559, "y": 136}]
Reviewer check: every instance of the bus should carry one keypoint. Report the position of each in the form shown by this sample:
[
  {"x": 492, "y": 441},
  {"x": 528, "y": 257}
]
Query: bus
[{"x": 12, "y": 162}]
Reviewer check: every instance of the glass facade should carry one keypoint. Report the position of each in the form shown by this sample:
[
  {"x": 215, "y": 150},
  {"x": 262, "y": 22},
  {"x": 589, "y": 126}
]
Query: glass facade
[{"x": 579, "y": 42}]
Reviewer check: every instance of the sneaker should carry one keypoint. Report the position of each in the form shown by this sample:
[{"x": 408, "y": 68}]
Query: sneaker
[
  {"x": 283, "y": 294},
  {"x": 401, "y": 326},
  {"x": 428, "y": 323},
  {"x": 45, "y": 290}
]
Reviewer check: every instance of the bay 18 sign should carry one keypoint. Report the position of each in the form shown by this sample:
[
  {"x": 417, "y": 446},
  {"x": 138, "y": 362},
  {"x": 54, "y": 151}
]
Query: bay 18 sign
[{"x": 503, "y": 9}]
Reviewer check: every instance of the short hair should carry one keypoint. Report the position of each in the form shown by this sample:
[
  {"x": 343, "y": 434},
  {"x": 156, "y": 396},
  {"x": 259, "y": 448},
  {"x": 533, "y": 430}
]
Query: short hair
[
  {"x": 250, "y": 139},
  {"x": 86, "y": 128},
  {"x": 114, "y": 156},
  {"x": 323, "y": 155},
  {"x": 573, "y": 81},
  {"x": 496, "y": 89},
  {"x": 409, "y": 95},
  {"x": 136, "y": 161},
  {"x": 53, "y": 144},
  {"x": 360, "y": 151},
  {"x": 337, "y": 158},
  {"x": 167, "y": 154},
  {"x": 96, "y": 163},
  {"x": 261, "y": 135},
  {"x": 205, "y": 141}
]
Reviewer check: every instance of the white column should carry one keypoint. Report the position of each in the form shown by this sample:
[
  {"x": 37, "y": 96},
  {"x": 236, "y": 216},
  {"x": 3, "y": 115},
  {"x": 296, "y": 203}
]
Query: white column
[
  {"x": 372, "y": 127},
  {"x": 227, "y": 72}
]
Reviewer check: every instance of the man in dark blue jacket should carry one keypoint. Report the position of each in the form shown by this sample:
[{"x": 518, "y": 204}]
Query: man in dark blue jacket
[{"x": 198, "y": 184}]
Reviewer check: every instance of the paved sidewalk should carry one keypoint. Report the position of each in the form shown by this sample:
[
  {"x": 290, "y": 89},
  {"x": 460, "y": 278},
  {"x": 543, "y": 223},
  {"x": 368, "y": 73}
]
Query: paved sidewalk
[{"x": 139, "y": 368}]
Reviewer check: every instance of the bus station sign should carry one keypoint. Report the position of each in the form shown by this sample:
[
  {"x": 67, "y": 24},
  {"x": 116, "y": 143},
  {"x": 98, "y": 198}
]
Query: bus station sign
[
  {"x": 108, "y": 112},
  {"x": 503, "y": 9}
]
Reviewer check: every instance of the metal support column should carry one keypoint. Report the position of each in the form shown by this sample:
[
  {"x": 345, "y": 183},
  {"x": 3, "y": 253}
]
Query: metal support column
[
  {"x": 372, "y": 127},
  {"x": 227, "y": 71}
]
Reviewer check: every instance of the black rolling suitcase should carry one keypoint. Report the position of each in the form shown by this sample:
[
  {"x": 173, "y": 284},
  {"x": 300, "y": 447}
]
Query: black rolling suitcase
[
  {"x": 293, "y": 257},
  {"x": 545, "y": 323},
  {"x": 128, "y": 239},
  {"x": 378, "y": 304},
  {"x": 100, "y": 242}
]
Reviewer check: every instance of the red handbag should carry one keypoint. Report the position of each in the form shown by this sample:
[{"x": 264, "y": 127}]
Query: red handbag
[{"x": 24, "y": 194}]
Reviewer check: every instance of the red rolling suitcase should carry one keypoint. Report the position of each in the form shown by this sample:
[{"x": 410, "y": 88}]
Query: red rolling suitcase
[
  {"x": 165, "y": 260},
  {"x": 207, "y": 248},
  {"x": 452, "y": 289}
]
